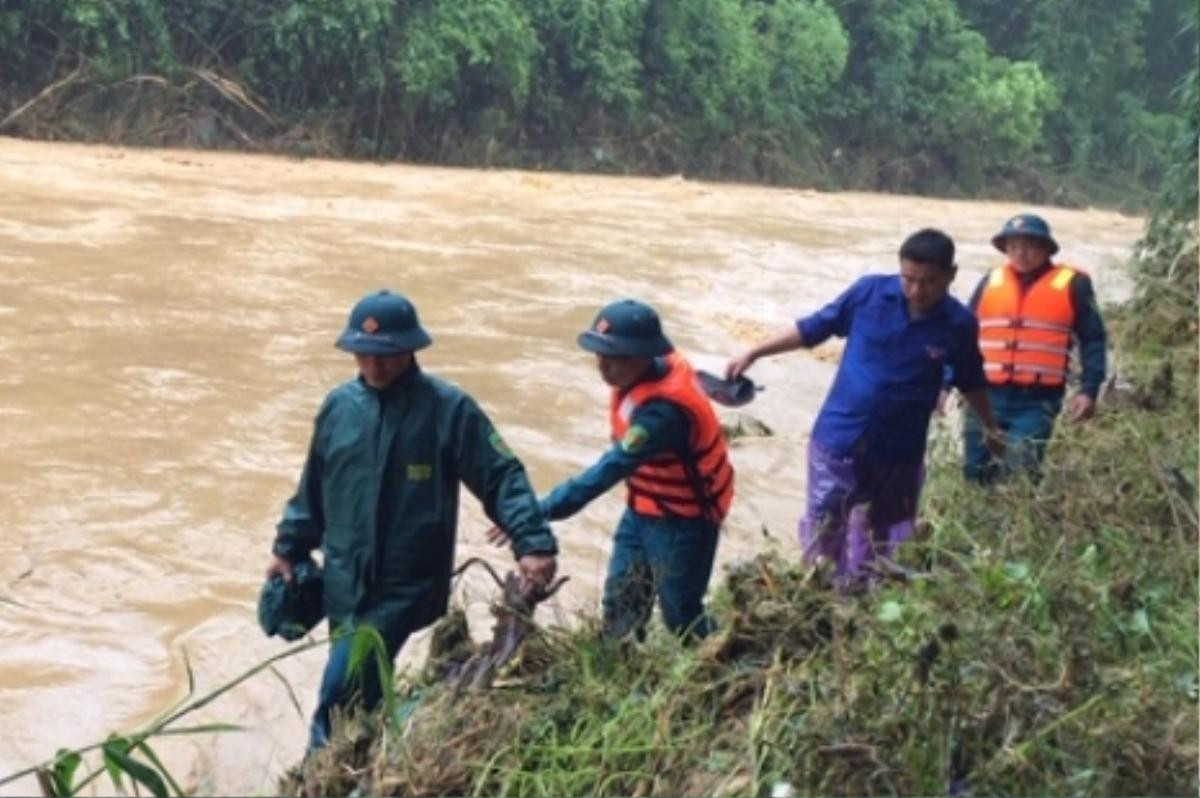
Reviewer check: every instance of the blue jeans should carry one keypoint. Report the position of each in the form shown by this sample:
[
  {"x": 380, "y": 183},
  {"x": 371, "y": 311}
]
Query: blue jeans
[
  {"x": 1027, "y": 420},
  {"x": 668, "y": 557},
  {"x": 339, "y": 690}
]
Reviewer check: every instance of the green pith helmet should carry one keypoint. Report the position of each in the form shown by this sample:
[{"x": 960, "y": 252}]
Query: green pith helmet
[
  {"x": 1027, "y": 225},
  {"x": 626, "y": 328},
  {"x": 383, "y": 323}
]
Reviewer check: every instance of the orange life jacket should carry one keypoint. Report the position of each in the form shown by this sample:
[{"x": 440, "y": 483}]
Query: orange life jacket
[
  {"x": 697, "y": 485},
  {"x": 1025, "y": 336}
]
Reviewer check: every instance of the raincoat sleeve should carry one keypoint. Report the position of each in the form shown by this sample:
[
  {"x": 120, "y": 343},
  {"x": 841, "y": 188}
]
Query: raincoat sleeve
[
  {"x": 303, "y": 524},
  {"x": 656, "y": 427},
  {"x": 497, "y": 478},
  {"x": 1089, "y": 331}
]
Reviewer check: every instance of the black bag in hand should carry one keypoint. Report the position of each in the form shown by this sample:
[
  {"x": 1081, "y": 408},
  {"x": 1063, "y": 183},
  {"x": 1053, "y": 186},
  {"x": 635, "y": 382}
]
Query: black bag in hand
[{"x": 291, "y": 609}]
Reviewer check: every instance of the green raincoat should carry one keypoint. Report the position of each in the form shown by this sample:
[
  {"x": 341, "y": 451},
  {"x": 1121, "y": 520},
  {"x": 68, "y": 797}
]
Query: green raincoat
[{"x": 379, "y": 495}]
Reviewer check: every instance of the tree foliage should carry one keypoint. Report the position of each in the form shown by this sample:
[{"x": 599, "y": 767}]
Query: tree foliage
[
  {"x": 1167, "y": 266},
  {"x": 922, "y": 85},
  {"x": 922, "y": 94},
  {"x": 1113, "y": 63}
]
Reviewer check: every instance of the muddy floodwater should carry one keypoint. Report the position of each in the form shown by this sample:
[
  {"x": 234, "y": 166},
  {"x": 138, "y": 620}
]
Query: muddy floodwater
[{"x": 167, "y": 323}]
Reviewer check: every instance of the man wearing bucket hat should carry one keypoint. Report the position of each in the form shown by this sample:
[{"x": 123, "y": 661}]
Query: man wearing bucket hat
[
  {"x": 669, "y": 448},
  {"x": 379, "y": 495},
  {"x": 1029, "y": 311},
  {"x": 867, "y": 450}
]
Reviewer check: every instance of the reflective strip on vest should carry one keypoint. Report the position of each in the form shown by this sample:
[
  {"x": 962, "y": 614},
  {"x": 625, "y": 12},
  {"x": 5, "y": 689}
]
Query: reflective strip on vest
[
  {"x": 696, "y": 485},
  {"x": 1019, "y": 324},
  {"x": 1029, "y": 346},
  {"x": 1014, "y": 368},
  {"x": 1030, "y": 324},
  {"x": 1025, "y": 336}
]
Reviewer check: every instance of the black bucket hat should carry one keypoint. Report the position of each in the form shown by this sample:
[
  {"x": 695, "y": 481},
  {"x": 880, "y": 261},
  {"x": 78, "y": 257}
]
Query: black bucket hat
[
  {"x": 626, "y": 328},
  {"x": 1028, "y": 225},
  {"x": 731, "y": 393},
  {"x": 383, "y": 323}
]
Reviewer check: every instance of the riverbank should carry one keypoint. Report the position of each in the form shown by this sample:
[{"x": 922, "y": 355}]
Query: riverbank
[
  {"x": 200, "y": 109},
  {"x": 1043, "y": 641}
]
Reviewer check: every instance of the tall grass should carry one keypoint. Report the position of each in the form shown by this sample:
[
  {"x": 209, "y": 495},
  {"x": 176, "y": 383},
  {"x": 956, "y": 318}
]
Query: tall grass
[
  {"x": 1044, "y": 641},
  {"x": 129, "y": 759}
]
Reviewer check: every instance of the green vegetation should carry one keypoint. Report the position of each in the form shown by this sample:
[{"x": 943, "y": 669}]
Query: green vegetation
[
  {"x": 951, "y": 96},
  {"x": 1044, "y": 642},
  {"x": 1043, "y": 638},
  {"x": 130, "y": 759}
]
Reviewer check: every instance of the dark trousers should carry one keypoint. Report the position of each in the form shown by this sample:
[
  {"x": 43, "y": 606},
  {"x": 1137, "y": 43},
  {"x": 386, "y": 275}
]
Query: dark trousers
[
  {"x": 1027, "y": 420},
  {"x": 671, "y": 558},
  {"x": 339, "y": 689}
]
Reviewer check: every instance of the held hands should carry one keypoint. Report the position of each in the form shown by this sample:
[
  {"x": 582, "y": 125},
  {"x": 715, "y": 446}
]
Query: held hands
[
  {"x": 1081, "y": 407},
  {"x": 537, "y": 570}
]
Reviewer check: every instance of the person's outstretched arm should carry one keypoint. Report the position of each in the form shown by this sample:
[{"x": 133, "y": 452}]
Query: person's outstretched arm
[
  {"x": 810, "y": 331},
  {"x": 785, "y": 340},
  {"x": 656, "y": 427}
]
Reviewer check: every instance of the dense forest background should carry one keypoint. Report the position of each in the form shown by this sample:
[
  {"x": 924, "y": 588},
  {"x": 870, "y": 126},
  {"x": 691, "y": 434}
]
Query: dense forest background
[{"x": 1067, "y": 101}]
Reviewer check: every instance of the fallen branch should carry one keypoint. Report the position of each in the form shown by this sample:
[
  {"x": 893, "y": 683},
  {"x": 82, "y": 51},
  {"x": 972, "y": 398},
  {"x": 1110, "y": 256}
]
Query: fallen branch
[
  {"x": 233, "y": 92},
  {"x": 41, "y": 95}
]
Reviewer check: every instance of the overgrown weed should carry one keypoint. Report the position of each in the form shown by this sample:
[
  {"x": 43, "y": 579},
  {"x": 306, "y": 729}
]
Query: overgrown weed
[{"x": 1040, "y": 639}]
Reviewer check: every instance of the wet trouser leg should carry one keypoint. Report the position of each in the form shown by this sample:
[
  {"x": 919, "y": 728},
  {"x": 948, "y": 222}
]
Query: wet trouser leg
[
  {"x": 629, "y": 586},
  {"x": 681, "y": 553},
  {"x": 668, "y": 557},
  {"x": 339, "y": 688},
  {"x": 1027, "y": 422},
  {"x": 860, "y": 509}
]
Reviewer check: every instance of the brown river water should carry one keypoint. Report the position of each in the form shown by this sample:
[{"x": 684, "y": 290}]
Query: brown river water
[{"x": 168, "y": 319}]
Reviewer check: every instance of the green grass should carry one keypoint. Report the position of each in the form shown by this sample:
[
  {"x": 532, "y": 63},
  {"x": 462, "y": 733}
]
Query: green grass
[{"x": 1045, "y": 643}]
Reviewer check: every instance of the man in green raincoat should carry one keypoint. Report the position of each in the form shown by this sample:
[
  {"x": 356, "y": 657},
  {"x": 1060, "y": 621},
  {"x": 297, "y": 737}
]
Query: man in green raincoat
[{"x": 379, "y": 496}]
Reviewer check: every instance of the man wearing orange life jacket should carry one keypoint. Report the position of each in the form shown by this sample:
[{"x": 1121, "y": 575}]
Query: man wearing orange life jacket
[
  {"x": 1029, "y": 311},
  {"x": 669, "y": 449}
]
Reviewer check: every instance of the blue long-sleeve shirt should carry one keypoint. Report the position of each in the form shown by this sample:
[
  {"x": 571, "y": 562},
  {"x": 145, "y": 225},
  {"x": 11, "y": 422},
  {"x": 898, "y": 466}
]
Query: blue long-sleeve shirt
[
  {"x": 892, "y": 369},
  {"x": 656, "y": 427},
  {"x": 1088, "y": 330}
]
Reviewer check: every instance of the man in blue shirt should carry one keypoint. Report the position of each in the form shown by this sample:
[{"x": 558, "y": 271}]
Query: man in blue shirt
[
  {"x": 866, "y": 455},
  {"x": 669, "y": 448}
]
